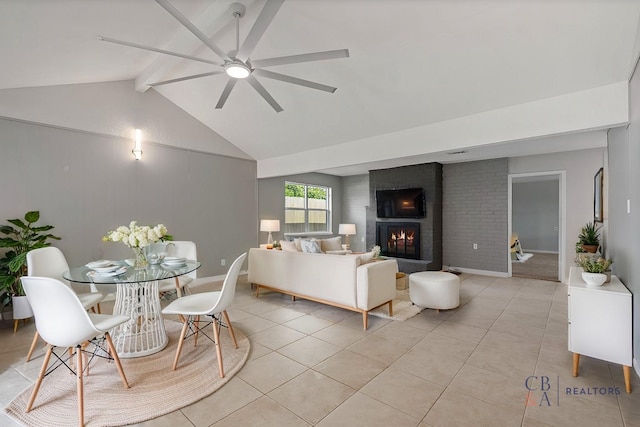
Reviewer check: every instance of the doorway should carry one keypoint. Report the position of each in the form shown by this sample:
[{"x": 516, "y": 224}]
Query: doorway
[{"x": 536, "y": 224}]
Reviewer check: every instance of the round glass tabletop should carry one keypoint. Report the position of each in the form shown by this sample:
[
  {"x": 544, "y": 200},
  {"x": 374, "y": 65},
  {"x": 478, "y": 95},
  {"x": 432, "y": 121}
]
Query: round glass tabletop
[{"x": 127, "y": 274}]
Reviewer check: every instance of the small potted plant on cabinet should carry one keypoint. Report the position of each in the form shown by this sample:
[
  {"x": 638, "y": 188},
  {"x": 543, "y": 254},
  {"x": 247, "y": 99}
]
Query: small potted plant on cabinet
[
  {"x": 594, "y": 269},
  {"x": 19, "y": 239},
  {"x": 589, "y": 238}
]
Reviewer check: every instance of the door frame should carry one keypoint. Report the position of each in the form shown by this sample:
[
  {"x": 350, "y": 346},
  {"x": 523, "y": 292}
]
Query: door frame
[{"x": 562, "y": 208}]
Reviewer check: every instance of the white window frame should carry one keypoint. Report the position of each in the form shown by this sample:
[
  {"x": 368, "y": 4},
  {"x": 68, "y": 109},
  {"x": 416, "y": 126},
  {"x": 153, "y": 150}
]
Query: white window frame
[{"x": 306, "y": 209}]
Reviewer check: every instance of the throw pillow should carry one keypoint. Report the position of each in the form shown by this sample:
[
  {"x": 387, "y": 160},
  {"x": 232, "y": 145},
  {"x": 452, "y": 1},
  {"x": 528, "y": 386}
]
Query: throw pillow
[
  {"x": 340, "y": 252},
  {"x": 311, "y": 246},
  {"x": 296, "y": 242},
  {"x": 366, "y": 258},
  {"x": 288, "y": 246},
  {"x": 331, "y": 244}
]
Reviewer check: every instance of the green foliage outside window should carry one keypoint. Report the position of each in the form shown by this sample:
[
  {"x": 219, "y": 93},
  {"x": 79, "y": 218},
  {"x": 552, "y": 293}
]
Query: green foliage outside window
[{"x": 297, "y": 190}]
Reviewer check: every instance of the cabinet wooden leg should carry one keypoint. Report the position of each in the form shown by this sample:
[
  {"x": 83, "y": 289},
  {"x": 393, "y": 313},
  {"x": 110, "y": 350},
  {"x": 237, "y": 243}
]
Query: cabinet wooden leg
[
  {"x": 627, "y": 378},
  {"x": 576, "y": 363}
]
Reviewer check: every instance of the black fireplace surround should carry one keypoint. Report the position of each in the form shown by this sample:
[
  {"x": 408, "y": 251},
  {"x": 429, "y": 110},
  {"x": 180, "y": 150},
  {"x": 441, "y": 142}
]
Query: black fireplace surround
[{"x": 399, "y": 239}]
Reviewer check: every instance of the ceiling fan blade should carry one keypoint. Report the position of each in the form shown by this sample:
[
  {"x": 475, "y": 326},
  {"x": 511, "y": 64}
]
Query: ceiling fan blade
[
  {"x": 189, "y": 26},
  {"x": 263, "y": 92},
  {"x": 271, "y": 7},
  {"x": 225, "y": 93},
  {"x": 180, "y": 79},
  {"x": 305, "y": 57},
  {"x": 294, "y": 80},
  {"x": 153, "y": 49}
]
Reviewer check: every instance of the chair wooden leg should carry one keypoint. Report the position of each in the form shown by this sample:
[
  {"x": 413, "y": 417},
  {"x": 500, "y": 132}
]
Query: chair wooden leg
[
  {"x": 33, "y": 345},
  {"x": 185, "y": 326},
  {"x": 391, "y": 308},
  {"x": 365, "y": 319},
  {"x": 216, "y": 334},
  {"x": 197, "y": 324},
  {"x": 36, "y": 387},
  {"x": 15, "y": 325},
  {"x": 80, "y": 386},
  {"x": 116, "y": 359},
  {"x": 233, "y": 335}
]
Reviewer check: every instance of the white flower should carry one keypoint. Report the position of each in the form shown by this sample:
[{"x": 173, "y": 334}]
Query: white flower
[{"x": 136, "y": 236}]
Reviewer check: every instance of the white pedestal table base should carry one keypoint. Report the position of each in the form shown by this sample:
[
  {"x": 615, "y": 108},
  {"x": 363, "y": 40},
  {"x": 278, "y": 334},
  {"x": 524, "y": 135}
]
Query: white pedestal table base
[{"x": 144, "y": 333}]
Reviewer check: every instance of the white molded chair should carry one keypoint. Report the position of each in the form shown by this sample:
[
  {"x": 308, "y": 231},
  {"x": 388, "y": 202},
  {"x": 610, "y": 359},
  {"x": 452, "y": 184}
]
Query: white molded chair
[
  {"x": 62, "y": 321},
  {"x": 50, "y": 262},
  {"x": 207, "y": 304},
  {"x": 184, "y": 249}
]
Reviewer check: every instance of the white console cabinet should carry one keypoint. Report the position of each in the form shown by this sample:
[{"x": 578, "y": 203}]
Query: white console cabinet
[{"x": 600, "y": 323}]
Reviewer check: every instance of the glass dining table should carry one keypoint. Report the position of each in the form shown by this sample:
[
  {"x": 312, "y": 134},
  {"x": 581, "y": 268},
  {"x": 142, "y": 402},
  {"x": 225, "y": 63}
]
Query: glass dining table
[{"x": 137, "y": 297}]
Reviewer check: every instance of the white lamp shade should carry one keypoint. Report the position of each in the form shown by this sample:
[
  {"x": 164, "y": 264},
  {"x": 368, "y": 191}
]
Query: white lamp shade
[
  {"x": 347, "y": 229},
  {"x": 269, "y": 225}
]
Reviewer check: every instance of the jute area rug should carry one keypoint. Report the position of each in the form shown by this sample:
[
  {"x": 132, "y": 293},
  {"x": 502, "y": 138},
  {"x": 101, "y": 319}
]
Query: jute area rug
[
  {"x": 403, "y": 308},
  {"x": 155, "y": 389}
]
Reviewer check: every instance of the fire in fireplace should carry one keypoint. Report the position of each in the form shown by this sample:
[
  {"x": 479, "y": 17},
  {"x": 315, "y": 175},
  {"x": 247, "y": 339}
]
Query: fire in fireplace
[{"x": 399, "y": 239}]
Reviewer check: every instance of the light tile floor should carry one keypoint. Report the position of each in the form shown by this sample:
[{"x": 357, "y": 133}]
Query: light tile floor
[{"x": 312, "y": 364}]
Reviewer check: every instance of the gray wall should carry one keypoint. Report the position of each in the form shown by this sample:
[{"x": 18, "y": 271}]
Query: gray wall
[
  {"x": 86, "y": 184},
  {"x": 271, "y": 199},
  {"x": 475, "y": 205},
  {"x": 535, "y": 214},
  {"x": 623, "y": 182},
  {"x": 355, "y": 200}
]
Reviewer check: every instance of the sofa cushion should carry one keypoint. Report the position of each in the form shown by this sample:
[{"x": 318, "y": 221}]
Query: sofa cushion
[
  {"x": 311, "y": 246},
  {"x": 332, "y": 244},
  {"x": 288, "y": 246}
]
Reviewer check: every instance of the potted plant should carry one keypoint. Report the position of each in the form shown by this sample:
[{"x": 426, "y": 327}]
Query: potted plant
[
  {"x": 589, "y": 238},
  {"x": 594, "y": 269},
  {"x": 19, "y": 239}
]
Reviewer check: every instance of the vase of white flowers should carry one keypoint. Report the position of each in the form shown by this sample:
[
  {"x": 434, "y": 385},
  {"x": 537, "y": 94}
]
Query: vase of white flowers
[{"x": 138, "y": 237}]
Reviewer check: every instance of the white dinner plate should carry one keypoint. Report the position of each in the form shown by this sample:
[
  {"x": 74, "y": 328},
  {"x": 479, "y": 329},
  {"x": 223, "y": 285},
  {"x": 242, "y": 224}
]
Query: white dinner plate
[
  {"x": 120, "y": 270},
  {"x": 98, "y": 264},
  {"x": 106, "y": 269},
  {"x": 173, "y": 265},
  {"x": 173, "y": 260}
]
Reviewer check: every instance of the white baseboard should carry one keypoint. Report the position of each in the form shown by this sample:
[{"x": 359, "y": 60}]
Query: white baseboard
[
  {"x": 542, "y": 252},
  {"x": 219, "y": 278},
  {"x": 474, "y": 271}
]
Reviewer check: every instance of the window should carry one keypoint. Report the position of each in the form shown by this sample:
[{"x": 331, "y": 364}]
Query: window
[{"x": 307, "y": 208}]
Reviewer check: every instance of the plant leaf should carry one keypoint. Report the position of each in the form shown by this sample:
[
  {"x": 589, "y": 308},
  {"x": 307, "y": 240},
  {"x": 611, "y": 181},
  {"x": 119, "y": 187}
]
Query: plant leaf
[
  {"x": 32, "y": 216},
  {"x": 18, "y": 223}
]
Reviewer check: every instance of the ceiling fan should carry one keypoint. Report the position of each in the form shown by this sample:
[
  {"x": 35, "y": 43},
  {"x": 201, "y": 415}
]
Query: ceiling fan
[{"x": 237, "y": 64}]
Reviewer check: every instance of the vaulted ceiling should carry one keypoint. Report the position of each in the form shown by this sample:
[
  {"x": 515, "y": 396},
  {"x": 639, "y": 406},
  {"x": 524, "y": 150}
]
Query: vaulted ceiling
[{"x": 413, "y": 65}]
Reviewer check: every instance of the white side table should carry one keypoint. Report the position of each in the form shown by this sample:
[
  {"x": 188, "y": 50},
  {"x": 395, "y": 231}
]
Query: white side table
[{"x": 600, "y": 323}]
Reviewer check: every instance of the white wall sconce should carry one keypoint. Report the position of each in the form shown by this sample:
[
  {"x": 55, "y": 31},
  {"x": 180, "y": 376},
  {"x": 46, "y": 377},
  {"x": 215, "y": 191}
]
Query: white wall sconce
[
  {"x": 270, "y": 225},
  {"x": 347, "y": 230},
  {"x": 137, "y": 148}
]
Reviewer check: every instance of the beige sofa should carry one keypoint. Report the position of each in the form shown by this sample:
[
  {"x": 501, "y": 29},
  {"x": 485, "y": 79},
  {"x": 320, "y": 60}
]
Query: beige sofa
[{"x": 338, "y": 280}]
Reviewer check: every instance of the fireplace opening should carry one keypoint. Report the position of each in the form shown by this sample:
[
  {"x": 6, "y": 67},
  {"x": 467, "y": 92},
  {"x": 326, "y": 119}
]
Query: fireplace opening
[{"x": 399, "y": 239}]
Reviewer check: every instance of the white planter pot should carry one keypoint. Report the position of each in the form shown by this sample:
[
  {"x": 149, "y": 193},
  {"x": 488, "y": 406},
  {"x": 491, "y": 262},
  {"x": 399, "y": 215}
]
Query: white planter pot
[
  {"x": 593, "y": 280},
  {"x": 21, "y": 307}
]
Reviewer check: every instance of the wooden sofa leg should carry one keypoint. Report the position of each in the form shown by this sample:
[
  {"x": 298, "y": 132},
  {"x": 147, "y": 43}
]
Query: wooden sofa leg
[
  {"x": 365, "y": 318},
  {"x": 391, "y": 308},
  {"x": 257, "y": 290}
]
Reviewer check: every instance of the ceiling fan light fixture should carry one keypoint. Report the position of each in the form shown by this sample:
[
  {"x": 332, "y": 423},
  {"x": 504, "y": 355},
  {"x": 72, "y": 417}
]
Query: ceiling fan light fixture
[{"x": 237, "y": 70}]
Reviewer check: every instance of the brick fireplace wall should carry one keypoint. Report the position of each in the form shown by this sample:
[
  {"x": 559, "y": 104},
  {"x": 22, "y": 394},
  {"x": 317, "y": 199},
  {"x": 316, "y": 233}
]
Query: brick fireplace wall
[{"x": 427, "y": 176}]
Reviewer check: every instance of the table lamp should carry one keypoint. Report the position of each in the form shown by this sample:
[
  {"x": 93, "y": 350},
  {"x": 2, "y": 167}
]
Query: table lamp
[
  {"x": 270, "y": 225},
  {"x": 347, "y": 230}
]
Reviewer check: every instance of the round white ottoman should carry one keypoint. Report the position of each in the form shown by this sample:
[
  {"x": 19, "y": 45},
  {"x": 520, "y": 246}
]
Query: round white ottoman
[{"x": 434, "y": 289}]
